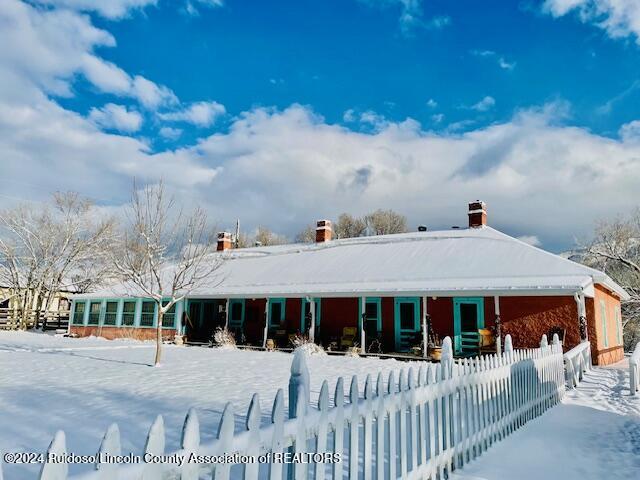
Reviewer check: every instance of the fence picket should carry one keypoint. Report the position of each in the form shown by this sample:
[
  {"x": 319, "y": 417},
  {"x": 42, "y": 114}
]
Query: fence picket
[
  {"x": 393, "y": 435},
  {"x": 380, "y": 422},
  {"x": 110, "y": 446},
  {"x": 354, "y": 427},
  {"x": 253, "y": 443},
  {"x": 190, "y": 443},
  {"x": 154, "y": 445},
  {"x": 225, "y": 442},
  {"x": 277, "y": 439},
  {"x": 53, "y": 470},
  {"x": 413, "y": 420},
  {"x": 323, "y": 426},
  {"x": 367, "y": 446},
  {"x": 338, "y": 434}
]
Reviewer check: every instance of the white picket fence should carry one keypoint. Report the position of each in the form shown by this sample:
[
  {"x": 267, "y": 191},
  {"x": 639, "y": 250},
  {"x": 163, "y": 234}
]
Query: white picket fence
[
  {"x": 416, "y": 424},
  {"x": 577, "y": 362},
  {"x": 634, "y": 370}
]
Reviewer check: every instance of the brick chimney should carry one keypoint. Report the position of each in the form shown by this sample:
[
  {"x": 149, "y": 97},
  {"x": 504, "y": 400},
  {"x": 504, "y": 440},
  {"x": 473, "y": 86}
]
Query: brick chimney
[
  {"x": 324, "y": 231},
  {"x": 224, "y": 241},
  {"x": 477, "y": 214}
]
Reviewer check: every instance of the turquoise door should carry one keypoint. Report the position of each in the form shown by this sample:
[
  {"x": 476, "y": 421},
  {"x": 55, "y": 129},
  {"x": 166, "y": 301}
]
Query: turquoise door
[
  {"x": 468, "y": 318},
  {"x": 236, "y": 313},
  {"x": 407, "y": 322}
]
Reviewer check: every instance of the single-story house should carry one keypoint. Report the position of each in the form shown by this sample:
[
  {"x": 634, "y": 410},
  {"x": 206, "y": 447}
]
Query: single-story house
[{"x": 396, "y": 290}]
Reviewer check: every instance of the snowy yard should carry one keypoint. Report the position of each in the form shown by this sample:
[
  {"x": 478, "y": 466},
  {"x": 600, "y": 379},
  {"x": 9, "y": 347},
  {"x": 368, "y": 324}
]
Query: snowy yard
[
  {"x": 594, "y": 434},
  {"x": 83, "y": 385}
]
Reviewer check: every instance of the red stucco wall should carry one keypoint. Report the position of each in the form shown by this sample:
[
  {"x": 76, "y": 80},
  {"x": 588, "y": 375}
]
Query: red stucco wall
[{"x": 111, "y": 333}]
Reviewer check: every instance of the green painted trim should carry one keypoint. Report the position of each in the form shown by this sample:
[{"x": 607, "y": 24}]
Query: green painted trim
[
  {"x": 377, "y": 301},
  {"x": 396, "y": 318},
  {"x": 619, "y": 325},
  {"x": 233, "y": 301},
  {"x": 603, "y": 319},
  {"x": 282, "y": 302},
  {"x": 303, "y": 321},
  {"x": 457, "y": 333}
]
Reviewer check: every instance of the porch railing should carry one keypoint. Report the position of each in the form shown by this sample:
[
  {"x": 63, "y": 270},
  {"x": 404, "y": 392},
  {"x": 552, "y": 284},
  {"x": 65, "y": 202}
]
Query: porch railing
[
  {"x": 11, "y": 319},
  {"x": 577, "y": 362}
]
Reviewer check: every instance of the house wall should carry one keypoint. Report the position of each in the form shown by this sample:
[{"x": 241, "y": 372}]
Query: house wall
[
  {"x": 111, "y": 333},
  {"x": 335, "y": 314},
  {"x": 605, "y": 327}
]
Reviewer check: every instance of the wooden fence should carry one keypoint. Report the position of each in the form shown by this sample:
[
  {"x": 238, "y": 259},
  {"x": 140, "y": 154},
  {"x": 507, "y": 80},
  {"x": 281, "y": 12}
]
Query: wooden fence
[
  {"x": 416, "y": 423},
  {"x": 634, "y": 370},
  {"x": 48, "y": 320},
  {"x": 577, "y": 362}
]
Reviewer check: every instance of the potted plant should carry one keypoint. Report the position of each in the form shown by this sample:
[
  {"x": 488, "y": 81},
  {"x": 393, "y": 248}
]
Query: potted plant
[{"x": 435, "y": 347}]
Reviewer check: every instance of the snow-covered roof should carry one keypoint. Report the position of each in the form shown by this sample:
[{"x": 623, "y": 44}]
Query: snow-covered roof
[{"x": 475, "y": 261}]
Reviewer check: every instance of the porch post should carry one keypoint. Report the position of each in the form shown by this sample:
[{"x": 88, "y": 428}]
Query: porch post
[
  {"x": 266, "y": 323},
  {"x": 425, "y": 328},
  {"x": 363, "y": 311},
  {"x": 226, "y": 313},
  {"x": 496, "y": 302},
  {"x": 582, "y": 316},
  {"x": 312, "y": 327}
]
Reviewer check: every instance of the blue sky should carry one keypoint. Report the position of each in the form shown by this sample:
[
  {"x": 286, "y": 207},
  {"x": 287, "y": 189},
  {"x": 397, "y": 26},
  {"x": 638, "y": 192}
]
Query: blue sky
[
  {"x": 282, "y": 112},
  {"x": 342, "y": 55}
]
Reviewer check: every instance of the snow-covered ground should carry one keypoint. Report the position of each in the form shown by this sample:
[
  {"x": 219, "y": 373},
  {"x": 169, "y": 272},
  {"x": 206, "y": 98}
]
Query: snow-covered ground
[
  {"x": 593, "y": 435},
  {"x": 83, "y": 385}
]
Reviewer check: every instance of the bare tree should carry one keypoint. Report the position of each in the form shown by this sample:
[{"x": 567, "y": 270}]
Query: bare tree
[
  {"x": 383, "y": 222},
  {"x": 51, "y": 248},
  {"x": 349, "y": 226},
  {"x": 615, "y": 249},
  {"x": 308, "y": 235},
  {"x": 164, "y": 254}
]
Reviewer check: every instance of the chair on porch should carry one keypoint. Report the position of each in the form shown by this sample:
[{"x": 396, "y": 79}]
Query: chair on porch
[
  {"x": 348, "y": 337},
  {"x": 486, "y": 341}
]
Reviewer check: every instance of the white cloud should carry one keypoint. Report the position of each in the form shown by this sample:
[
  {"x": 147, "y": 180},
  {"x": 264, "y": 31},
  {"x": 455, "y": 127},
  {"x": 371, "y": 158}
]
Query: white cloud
[
  {"x": 619, "y": 18},
  {"x": 201, "y": 114},
  {"x": 437, "y": 118},
  {"x": 431, "y": 103},
  {"x": 411, "y": 15},
  {"x": 48, "y": 47},
  {"x": 500, "y": 60},
  {"x": 170, "y": 133},
  {"x": 116, "y": 117},
  {"x": 349, "y": 115},
  {"x": 112, "y": 9},
  {"x": 191, "y": 6},
  {"x": 630, "y": 132},
  {"x": 487, "y": 103},
  {"x": 531, "y": 240}
]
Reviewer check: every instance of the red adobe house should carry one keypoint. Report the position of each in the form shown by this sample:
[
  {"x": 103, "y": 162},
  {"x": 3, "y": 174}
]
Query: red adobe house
[{"x": 451, "y": 282}]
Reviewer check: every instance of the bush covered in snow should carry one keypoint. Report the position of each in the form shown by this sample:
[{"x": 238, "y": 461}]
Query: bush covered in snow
[
  {"x": 224, "y": 338},
  {"x": 301, "y": 342}
]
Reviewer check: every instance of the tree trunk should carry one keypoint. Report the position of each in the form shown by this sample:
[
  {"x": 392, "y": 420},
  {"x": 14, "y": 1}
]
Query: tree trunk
[{"x": 158, "y": 338}]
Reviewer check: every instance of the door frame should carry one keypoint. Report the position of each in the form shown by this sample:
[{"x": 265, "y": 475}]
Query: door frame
[
  {"x": 233, "y": 301},
  {"x": 457, "y": 327},
  {"x": 378, "y": 302},
  {"x": 282, "y": 302},
  {"x": 303, "y": 307},
  {"x": 396, "y": 317}
]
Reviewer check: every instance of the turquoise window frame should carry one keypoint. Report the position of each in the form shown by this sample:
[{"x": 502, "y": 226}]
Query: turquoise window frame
[
  {"x": 104, "y": 315},
  {"x": 142, "y": 312},
  {"x": 75, "y": 311},
  {"x": 232, "y": 302},
  {"x": 133, "y": 312},
  {"x": 100, "y": 311},
  {"x": 396, "y": 317},
  {"x": 280, "y": 321},
  {"x": 303, "y": 320},
  {"x": 173, "y": 314},
  {"x": 378, "y": 302},
  {"x": 603, "y": 319},
  {"x": 457, "y": 327}
]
